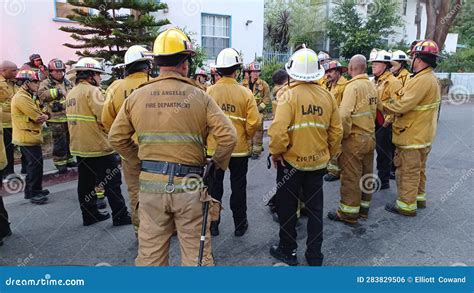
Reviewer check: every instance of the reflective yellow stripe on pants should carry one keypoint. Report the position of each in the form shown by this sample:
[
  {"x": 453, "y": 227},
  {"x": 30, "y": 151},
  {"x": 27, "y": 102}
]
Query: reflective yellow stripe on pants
[
  {"x": 348, "y": 209},
  {"x": 193, "y": 184},
  {"x": 406, "y": 207},
  {"x": 421, "y": 197},
  {"x": 365, "y": 204}
]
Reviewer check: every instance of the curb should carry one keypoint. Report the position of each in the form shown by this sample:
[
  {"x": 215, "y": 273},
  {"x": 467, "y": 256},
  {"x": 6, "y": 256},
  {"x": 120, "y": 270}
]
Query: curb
[{"x": 51, "y": 177}]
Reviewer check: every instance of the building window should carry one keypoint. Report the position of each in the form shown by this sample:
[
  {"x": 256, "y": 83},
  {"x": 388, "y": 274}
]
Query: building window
[
  {"x": 215, "y": 33},
  {"x": 63, "y": 9},
  {"x": 404, "y": 7}
]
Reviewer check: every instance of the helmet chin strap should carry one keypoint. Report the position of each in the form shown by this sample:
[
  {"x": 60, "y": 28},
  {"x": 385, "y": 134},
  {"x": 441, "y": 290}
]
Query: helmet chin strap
[
  {"x": 94, "y": 82},
  {"x": 26, "y": 86},
  {"x": 413, "y": 64}
]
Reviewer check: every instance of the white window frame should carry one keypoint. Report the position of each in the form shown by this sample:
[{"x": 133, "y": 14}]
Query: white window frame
[{"x": 225, "y": 28}]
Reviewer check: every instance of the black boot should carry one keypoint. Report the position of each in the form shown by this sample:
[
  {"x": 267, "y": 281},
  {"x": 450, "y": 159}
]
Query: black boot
[
  {"x": 314, "y": 261},
  {"x": 122, "y": 220},
  {"x": 392, "y": 175},
  {"x": 38, "y": 199},
  {"x": 334, "y": 216},
  {"x": 275, "y": 217},
  {"x": 214, "y": 228},
  {"x": 62, "y": 169},
  {"x": 97, "y": 217},
  {"x": 271, "y": 205},
  {"x": 392, "y": 207},
  {"x": 330, "y": 177},
  {"x": 101, "y": 204},
  {"x": 288, "y": 257},
  {"x": 7, "y": 233},
  {"x": 45, "y": 192},
  {"x": 421, "y": 204},
  {"x": 71, "y": 165},
  {"x": 385, "y": 185},
  {"x": 241, "y": 227}
]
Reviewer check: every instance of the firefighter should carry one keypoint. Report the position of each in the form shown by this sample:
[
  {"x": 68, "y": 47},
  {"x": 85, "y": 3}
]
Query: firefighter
[
  {"x": 5, "y": 230},
  {"x": 335, "y": 83},
  {"x": 52, "y": 92},
  {"x": 358, "y": 110},
  {"x": 137, "y": 69},
  {"x": 27, "y": 121},
  {"x": 8, "y": 88},
  {"x": 323, "y": 58},
  {"x": 387, "y": 87},
  {"x": 96, "y": 160},
  {"x": 214, "y": 75},
  {"x": 414, "y": 128},
  {"x": 399, "y": 68},
  {"x": 172, "y": 118},
  {"x": 245, "y": 80},
  {"x": 400, "y": 65},
  {"x": 306, "y": 132},
  {"x": 200, "y": 76},
  {"x": 280, "y": 79},
  {"x": 238, "y": 104},
  {"x": 36, "y": 64},
  {"x": 261, "y": 92}
]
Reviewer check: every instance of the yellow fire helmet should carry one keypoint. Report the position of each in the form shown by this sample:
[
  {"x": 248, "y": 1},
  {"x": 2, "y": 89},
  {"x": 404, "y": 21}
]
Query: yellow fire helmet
[{"x": 172, "y": 41}]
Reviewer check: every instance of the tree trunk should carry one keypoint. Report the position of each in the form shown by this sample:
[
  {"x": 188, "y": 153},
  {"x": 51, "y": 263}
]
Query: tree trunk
[
  {"x": 418, "y": 19},
  {"x": 440, "y": 16}
]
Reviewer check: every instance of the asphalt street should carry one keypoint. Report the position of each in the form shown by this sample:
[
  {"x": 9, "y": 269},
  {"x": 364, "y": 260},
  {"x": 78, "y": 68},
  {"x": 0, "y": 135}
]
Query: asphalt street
[{"x": 442, "y": 234}]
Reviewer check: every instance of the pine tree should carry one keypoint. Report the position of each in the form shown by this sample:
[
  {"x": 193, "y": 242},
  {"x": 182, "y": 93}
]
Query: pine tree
[{"x": 106, "y": 34}]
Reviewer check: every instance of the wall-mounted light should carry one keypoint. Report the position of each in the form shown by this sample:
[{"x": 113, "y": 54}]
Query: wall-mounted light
[{"x": 248, "y": 22}]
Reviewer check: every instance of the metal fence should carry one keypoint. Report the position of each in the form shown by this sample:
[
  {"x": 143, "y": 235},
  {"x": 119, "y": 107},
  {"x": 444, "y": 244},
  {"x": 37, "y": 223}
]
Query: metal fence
[
  {"x": 463, "y": 83},
  {"x": 282, "y": 57}
]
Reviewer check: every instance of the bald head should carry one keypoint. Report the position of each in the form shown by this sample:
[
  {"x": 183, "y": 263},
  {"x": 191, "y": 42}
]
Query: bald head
[
  {"x": 357, "y": 65},
  {"x": 8, "y": 69}
]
